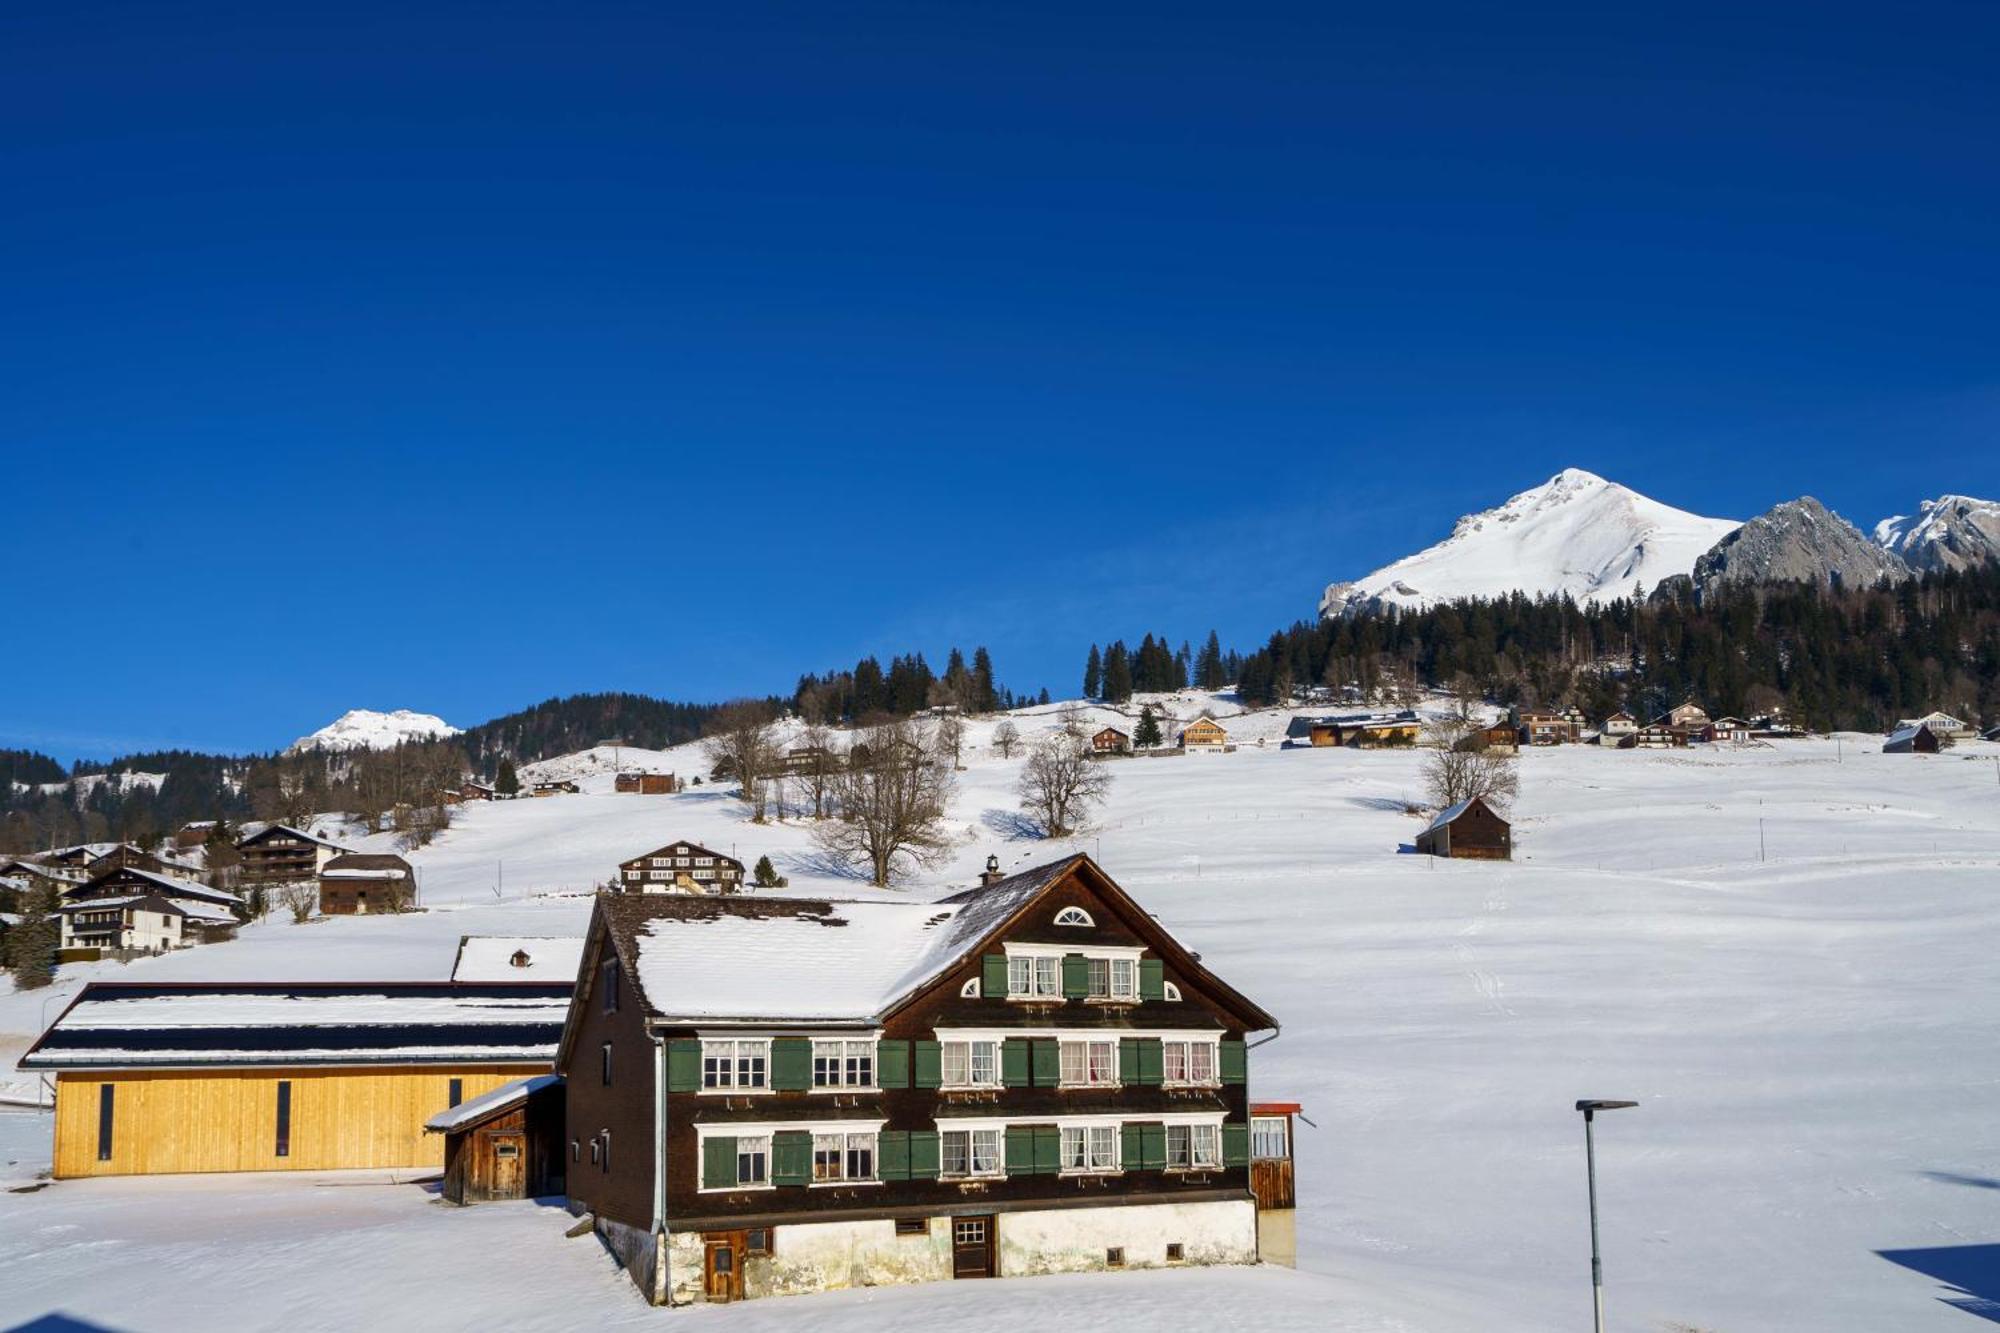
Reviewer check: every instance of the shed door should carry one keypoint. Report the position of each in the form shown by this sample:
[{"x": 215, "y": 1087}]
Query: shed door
[
  {"x": 722, "y": 1265},
  {"x": 509, "y": 1178},
  {"x": 972, "y": 1247}
]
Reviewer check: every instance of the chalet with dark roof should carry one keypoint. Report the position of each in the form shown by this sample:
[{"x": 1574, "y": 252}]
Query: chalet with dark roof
[
  {"x": 281, "y": 854},
  {"x": 771, "y": 1095},
  {"x": 681, "y": 867}
]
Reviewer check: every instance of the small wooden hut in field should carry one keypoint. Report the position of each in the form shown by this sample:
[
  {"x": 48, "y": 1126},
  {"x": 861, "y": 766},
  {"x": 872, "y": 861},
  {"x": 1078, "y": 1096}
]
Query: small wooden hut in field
[
  {"x": 504, "y": 1144},
  {"x": 1473, "y": 829}
]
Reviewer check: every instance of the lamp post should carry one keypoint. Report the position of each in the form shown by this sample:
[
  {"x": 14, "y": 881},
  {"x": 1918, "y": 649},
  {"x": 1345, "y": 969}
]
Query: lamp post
[{"x": 1590, "y": 1107}]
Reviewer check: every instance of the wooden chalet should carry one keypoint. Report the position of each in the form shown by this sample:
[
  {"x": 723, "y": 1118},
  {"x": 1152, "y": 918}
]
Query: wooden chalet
[
  {"x": 193, "y": 834},
  {"x": 125, "y": 854},
  {"x": 281, "y": 854},
  {"x": 646, "y": 784},
  {"x": 1365, "y": 730},
  {"x": 1944, "y": 724},
  {"x": 1499, "y": 736},
  {"x": 1654, "y": 736},
  {"x": 504, "y": 1144},
  {"x": 1725, "y": 731},
  {"x": 1204, "y": 734},
  {"x": 1545, "y": 728},
  {"x": 1471, "y": 829},
  {"x": 1030, "y": 1076},
  {"x": 128, "y": 926},
  {"x": 73, "y": 858},
  {"x": 356, "y": 883},
  {"x": 558, "y": 787},
  {"x": 1618, "y": 726},
  {"x": 477, "y": 791},
  {"x": 127, "y": 881},
  {"x": 251, "y": 1076},
  {"x": 681, "y": 865},
  {"x": 1688, "y": 717},
  {"x": 1110, "y": 740},
  {"x": 1915, "y": 740}
]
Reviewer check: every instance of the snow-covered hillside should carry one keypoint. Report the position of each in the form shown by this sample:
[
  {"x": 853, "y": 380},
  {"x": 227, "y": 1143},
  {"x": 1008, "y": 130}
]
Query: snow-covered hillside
[
  {"x": 1577, "y": 534},
  {"x": 366, "y": 729},
  {"x": 1787, "y": 954}
]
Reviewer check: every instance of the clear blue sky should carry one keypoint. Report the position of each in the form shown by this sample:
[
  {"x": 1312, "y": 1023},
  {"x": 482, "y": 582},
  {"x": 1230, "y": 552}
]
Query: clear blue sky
[{"x": 454, "y": 356}]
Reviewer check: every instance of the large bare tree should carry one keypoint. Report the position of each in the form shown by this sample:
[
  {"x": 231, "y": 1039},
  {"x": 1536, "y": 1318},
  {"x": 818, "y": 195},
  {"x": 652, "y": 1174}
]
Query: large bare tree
[
  {"x": 817, "y": 767},
  {"x": 891, "y": 805},
  {"x": 1007, "y": 738},
  {"x": 1460, "y": 766},
  {"x": 1061, "y": 782},
  {"x": 741, "y": 744}
]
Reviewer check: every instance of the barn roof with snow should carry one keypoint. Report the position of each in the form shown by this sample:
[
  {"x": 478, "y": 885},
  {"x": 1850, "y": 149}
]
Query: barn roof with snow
[{"x": 127, "y": 1025}]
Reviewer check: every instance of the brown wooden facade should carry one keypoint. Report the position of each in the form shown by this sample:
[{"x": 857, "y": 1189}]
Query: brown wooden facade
[
  {"x": 1110, "y": 740},
  {"x": 357, "y": 883},
  {"x": 646, "y": 784},
  {"x": 1472, "y": 830},
  {"x": 516, "y": 1152},
  {"x": 663, "y": 868},
  {"x": 280, "y": 854}
]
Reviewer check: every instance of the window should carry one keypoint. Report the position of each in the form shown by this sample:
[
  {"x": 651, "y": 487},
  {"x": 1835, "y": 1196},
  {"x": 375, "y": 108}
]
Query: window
[
  {"x": 1074, "y": 916},
  {"x": 1175, "y": 1253},
  {"x": 970, "y": 1064},
  {"x": 284, "y": 1136},
  {"x": 1090, "y": 1148},
  {"x": 611, "y": 987},
  {"x": 1087, "y": 1064},
  {"x": 1194, "y": 1147},
  {"x": 753, "y": 1161},
  {"x": 1115, "y": 1257},
  {"x": 1114, "y": 978},
  {"x": 455, "y": 1091},
  {"x": 758, "y": 1241},
  {"x": 1188, "y": 1063},
  {"x": 735, "y": 1064},
  {"x": 913, "y": 1226},
  {"x": 604, "y": 1054},
  {"x": 596, "y": 1151},
  {"x": 107, "y": 1102},
  {"x": 973, "y": 1152},
  {"x": 843, "y": 1064},
  {"x": 970, "y": 990},
  {"x": 1169, "y": 991},
  {"x": 843, "y": 1157},
  {"x": 605, "y": 1161},
  {"x": 1035, "y": 977},
  {"x": 1267, "y": 1136}
]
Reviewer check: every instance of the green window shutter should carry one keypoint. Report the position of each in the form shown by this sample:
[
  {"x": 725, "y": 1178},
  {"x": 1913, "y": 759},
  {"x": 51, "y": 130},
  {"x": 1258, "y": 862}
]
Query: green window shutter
[
  {"x": 929, "y": 1062},
  {"x": 923, "y": 1154},
  {"x": 892, "y": 1064},
  {"x": 1128, "y": 1060},
  {"x": 1075, "y": 976},
  {"x": 1020, "y": 1150},
  {"x": 1152, "y": 1062},
  {"x": 791, "y": 1157},
  {"x": 684, "y": 1065},
  {"x": 1153, "y": 1147},
  {"x": 993, "y": 975},
  {"x": 791, "y": 1063},
  {"x": 1048, "y": 1150},
  {"x": 1014, "y": 1062},
  {"x": 718, "y": 1163},
  {"x": 1152, "y": 979},
  {"x": 1236, "y": 1145},
  {"x": 892, "y": 1154},
  {"x": 1046, "y": 1054},
  {"x": 1235, "y": 1062},
  {"x": 1131, "y": 1145}
]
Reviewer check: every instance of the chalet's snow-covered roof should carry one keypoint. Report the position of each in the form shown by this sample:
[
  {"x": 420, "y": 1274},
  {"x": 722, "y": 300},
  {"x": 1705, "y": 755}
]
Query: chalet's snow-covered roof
[
  {"x": 1935, "y": 720},
  {"x": 780, "y": 959},
  {"x": 124, "y": 1025},
  {"x": 366, "y": 865},
  {"x": 551, "y": 958},
  {"x": 269, "y": 829},
  {"x": 170, "y": 886},
  {"x": 505, "y": 1097},
  {"x": 1449, "y": 813},
  {"x": 1904, "y": 735}
]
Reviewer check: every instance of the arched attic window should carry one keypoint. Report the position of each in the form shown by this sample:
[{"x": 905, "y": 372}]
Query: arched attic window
[{"x": 1074, "y": 916}]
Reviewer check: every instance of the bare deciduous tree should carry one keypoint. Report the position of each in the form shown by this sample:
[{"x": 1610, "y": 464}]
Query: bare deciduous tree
[
  {"x": 949, "y": 739},
  {"x": 1460, "y": 766},
  {"x": 301, "y": 900},
  {"x": 891, "y": 805},
  {"x": 1007, "y": 739},
  {"x": 819, "y": 764},
  {"x": 740, "y": 744},
  {"x": 1061, "y": 782}
]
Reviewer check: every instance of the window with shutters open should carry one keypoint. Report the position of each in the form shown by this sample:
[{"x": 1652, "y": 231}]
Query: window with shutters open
[
  {"x": 1194, "y": 1147},
  {"x": 735, "y": 1066},
  {"x": 970, "y": 1154},
  {"x": 1089, "y": 1064},
  {"x": 971, "y": 1064},
  {"x": 753, "y": 1161},
  {"x": 1034, "y": 978},
  {"x": 843, "y": 1064},
  {"x": 839, "y": 1158},
  {"x": 1189, "y": 1064},
  {"x": 1088, "y": 1148}
]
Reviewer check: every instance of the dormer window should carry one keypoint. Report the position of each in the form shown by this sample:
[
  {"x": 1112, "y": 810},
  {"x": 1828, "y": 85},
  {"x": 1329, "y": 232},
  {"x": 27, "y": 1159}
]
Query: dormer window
[
  {"x": 1074, "y": 916},
  {"x": 520, "y": 959}
]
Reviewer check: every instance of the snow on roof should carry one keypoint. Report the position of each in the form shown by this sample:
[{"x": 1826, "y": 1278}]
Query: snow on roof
[
  {"x": 264, "y": 1023},
  {"x": 1904, "y": 734},
  {"x": 194, "y": 911},
  {"x": 551, "y": 958},
  {"x": 1449, "y": 813},
  {"x": 502, "y": 1098},
  {"x": 173, "y": 887}
]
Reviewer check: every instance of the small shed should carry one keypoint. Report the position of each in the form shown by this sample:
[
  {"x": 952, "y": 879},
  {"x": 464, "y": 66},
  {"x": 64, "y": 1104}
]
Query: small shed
[
  {"x": 1914, "y": 739},
  {"x": 1271, "y": 1182},
  {"x": 504, "y": 1144},
  {"x": 1471, "y": 829}
]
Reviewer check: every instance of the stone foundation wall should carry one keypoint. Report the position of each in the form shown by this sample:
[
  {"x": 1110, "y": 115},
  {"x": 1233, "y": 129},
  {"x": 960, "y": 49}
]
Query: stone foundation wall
[{"x": 1075, "y": 1240}]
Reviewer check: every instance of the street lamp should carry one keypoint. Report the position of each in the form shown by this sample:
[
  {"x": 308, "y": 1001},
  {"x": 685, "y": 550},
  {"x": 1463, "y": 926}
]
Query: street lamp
[{"x": 1590, "y": 1107}]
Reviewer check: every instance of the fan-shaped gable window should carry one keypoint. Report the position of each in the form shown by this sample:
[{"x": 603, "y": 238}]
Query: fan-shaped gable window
[{"x": 1074, "y": 916}]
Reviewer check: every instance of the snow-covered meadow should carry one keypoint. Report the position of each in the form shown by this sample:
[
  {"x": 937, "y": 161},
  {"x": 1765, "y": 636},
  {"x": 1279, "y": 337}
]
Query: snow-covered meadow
[{"x": 1787, "y": 954}]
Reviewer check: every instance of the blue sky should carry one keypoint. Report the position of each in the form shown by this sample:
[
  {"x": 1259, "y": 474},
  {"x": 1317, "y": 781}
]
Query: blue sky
[{"x": 451, "y": 357}]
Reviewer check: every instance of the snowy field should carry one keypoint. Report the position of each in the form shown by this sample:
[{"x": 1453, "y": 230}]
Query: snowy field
[{"x": 1787, "y": 955}]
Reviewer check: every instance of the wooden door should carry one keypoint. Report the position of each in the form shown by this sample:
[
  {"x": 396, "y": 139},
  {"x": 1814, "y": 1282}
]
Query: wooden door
[
  {"x": 722, "y": 1266},
  {"x": 972, "y": 1246},
  {"x": 509, "y": 1169}
]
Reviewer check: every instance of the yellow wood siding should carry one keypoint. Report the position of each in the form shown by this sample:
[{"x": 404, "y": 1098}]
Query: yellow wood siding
[{"x": 226, "y": 1120}]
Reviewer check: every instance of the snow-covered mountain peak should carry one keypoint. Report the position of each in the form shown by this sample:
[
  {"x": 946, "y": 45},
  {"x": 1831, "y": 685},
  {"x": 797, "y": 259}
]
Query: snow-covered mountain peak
[
  {"x": 1576, "y": 533},
  {"x": 366, "y": 729},
  {"x": 1950, "y": 532}
]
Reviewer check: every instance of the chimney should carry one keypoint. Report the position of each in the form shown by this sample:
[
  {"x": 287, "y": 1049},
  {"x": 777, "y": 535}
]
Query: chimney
[{"x": 991, "y": 875}]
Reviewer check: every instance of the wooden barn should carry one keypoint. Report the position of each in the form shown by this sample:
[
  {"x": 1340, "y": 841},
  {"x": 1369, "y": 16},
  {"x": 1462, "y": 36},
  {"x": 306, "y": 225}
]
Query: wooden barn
[
  {"x": 1915, "y": 739},
  {"x": 260, "y": 1076},
  {"x": 558, "y": 787},
  {"x": 1470, "y": 829},
  {"x": 504, "y": 1144}
]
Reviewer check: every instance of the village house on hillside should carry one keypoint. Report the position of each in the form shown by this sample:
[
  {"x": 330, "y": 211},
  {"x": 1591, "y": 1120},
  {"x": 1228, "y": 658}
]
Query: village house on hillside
[
  {"x": 1110, "y": 740},
  {"x": 1686, "y": 717},
  {"x": 1470, "y": 829},
  {"x": 1026, "y": 1077},
  {"x": 1538, "y": 727},
  {"x": 1617, "y": 726},
  {"x": 646, "y": 784},
  {"x": 281, "y": 854},
  {"x": 1204, "y": 734},
  {"x": 1944, "y": 724},
  {"x": 292, "y": 1076},
  {"x": 681, "y": 866},
  {"x": 555, "y": 787},
  {"x": 356, "y": 883},
  {"x": 1654, "y": 736},
  {"x": 138, "y": 923}
]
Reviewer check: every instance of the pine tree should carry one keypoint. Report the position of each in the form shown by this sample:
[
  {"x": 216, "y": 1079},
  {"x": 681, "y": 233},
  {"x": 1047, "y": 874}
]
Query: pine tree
[
  {"x": 765, "y": 875},
  {"x": 982, "y": 681},
  {"x": 1117, "y": 673},
  {"x": 1093, "y": 673},
  {"x": 507, "y": 782},
  {"x": 1147, "y": 733},
  {"x": 31, "y": 944},
  {"x": 1208, "y": 670}
]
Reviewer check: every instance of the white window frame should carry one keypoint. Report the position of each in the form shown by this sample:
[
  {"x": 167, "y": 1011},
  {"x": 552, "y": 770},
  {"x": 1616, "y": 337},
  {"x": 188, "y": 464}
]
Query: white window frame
[
  {"x": 1202, "y": 1143},
  {"x": 740, "y": 1050},
  {"x": 1097, "y": 1144},
  {"x": 844, "y": 1053},
  {"x": 968, "y": 1081},
  {"x": 1187, "y": 1046},
  {"x": 996, "y": 1168},
  {"x": 1260, "y": 1125},
  {"x": 845, "y": 1144},
  {"x": 1090, "y": 1067},
  {"x": 1074, "y": 916},
  {"x": 1034, "y": 976},
  {"x": 757, "y": 1146}
]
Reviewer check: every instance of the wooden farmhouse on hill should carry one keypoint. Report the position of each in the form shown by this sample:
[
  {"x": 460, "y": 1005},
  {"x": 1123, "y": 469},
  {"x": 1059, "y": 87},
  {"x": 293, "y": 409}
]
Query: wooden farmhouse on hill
[
  {"x": 1545, "y": 728},
  {"x": 281, "y": 854},
  {"x": 1470, "y": 829},
  {"x": 555, "y": 787},
  {"x": 1618, "y": 726},
  {"x": 356, "y": 883},
  {"x": 1944, "y": 724},
  {"x": 128, "y": 911},
  {"x": 1110, "y": 740},
  {"x": 1030, "y": 1076},
  {"x": 1204, "y": 733},
  {"x": 646, "y": 784},
  {"x": 681, "y": 867},
  {"x": 299, "y": 1076}
]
